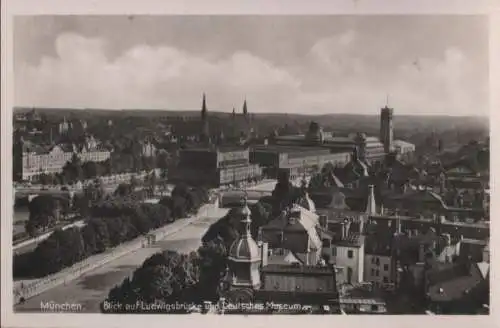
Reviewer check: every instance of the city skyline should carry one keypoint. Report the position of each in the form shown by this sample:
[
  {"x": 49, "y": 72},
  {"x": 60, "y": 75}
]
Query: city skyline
[{"x": 295, "y": 64}]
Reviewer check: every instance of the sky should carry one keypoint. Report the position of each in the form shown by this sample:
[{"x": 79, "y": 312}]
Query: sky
[{"x": 285, "y": 64}]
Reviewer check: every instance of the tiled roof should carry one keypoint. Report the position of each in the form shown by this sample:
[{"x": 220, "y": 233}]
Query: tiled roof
[{"x": 453, "y": 282}]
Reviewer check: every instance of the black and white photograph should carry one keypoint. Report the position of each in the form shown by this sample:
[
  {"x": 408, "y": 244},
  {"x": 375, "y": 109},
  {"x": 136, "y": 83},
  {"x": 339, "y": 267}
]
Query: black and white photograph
[{"x": 249, "y": 164}]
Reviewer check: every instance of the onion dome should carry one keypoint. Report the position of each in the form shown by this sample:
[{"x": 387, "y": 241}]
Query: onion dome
[{"x": 244, "y": 249}]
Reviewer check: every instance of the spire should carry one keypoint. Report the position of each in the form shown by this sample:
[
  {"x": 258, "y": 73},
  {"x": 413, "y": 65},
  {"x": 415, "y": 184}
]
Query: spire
[
  {"x": 233, "y": 114},
  {"x": 205, "y": 137},
  {"x": 355, "y": 154},
  {"x": 246, "y": 220},
  {"x": 204, "y": 108},
  {"x": 245, "y": 109},
  {"x": 371, "y": 207}
]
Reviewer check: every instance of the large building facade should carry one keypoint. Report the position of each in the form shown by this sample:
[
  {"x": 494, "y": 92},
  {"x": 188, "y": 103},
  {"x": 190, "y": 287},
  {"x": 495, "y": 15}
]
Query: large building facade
[
  {"x": 294, "y": 160},
  {"x": 214, "y": 166},
  {"x": 32, "y": 160},
  {"x": 371, "y": 149}
]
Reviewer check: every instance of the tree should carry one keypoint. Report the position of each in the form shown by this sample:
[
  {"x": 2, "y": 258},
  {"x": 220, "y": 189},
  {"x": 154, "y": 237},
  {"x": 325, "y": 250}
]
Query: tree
[
  {"x": 73, "y": 169},
  {"x": 31, "y": 228},
  {"x": 47, "y": 256},
  {"x": 71, "y": 245},
  {"x": 260, "y": 216},
  {"x": 97, "y": 238},
  {"x": 44, "y": 210},
  {"x": 118, "y": 229},
  {"x": 91, "y": 170},
  {"x": 213, "y": 263},
  {"x": 180, "y": 190},
  {"x": 284, "y": 192},
  {"x": 123, "y": 190},
  {"x": 165, "y": 277},
  {"x": 179, "y": 208}
]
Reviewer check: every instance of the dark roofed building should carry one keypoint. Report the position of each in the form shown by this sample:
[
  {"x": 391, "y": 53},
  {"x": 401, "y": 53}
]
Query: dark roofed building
[
  {"x": 461, "y": 288},
  {"x": 292, "y": 284},
  {"x": 214, "y": 166}
]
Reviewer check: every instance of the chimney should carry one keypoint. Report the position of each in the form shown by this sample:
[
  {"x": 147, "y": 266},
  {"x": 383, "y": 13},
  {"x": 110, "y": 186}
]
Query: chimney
[
  {"x": 323, "y": 222},
  {"x": 447, "y": 237},
  {"x": 371, "y": 206},
  {"x": 344, "y": 229},
  {"x": 421, "y": 252},
  {"x": 398, "y": 225},
  {"x": 263, "y": 252}
]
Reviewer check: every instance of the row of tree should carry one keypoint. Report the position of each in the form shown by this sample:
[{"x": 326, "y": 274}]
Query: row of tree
[
  {"x": 112, "y": 223},
  {"x": 171, "y": 278}
]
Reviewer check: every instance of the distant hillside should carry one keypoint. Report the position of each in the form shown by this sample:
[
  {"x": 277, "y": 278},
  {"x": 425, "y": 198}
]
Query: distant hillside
[{"x": 336, "y": 122}]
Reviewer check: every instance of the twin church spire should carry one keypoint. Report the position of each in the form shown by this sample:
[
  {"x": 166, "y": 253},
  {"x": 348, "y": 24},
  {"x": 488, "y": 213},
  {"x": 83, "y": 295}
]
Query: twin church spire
[{"x": 205, "y": 134}]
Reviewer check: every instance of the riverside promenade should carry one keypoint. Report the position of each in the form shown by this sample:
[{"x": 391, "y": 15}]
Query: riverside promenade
[{"x": 89, "y": 289}]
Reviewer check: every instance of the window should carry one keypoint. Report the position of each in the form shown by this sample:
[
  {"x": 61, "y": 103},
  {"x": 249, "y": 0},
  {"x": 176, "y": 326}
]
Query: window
[
  {"x": 373, "y": 260},
  {"x": 386, "y": 280},
  {"x": 373, "y": 272},
  {"x": 386, "y": 267},
  {"x": 350, "y": 254},
  {"x": 377, "y": 261},
  {"x": 377, "y": 273},
  {"x": 374, "y": 307},
  {"x": 334, "y": 251}
]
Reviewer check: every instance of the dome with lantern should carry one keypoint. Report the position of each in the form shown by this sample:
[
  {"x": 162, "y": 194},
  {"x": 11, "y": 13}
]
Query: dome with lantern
[{"x": 244, "y": 249}]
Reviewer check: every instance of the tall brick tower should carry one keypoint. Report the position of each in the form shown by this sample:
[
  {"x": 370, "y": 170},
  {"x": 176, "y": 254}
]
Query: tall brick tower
[{"x": 386, "y": 128}]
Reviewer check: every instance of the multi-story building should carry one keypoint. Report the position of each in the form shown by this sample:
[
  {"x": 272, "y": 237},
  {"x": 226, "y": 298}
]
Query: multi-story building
[
  {"x": 253, "y": 276},
  {"x": 31, "y": 160},
  {"x": 371, "y": 149},
  {"x": 295, "y": 160},
  {"x": 214, "y": 166},
  {"x": 348, "y": 252}
]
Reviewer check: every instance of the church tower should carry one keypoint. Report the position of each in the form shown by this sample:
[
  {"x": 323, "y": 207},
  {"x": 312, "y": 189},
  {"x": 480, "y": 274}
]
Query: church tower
[
  {"x": 244, "y": 256},
  {"x": 245, "y": 109},
  {"x": 386, "y": 128},
  {"x": 205, "y": 136}
]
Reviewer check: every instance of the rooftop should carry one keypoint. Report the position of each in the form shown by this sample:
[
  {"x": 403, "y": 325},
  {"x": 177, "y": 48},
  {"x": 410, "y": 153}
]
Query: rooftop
[
  {"x": 298, "y": 269},
  {"x": 287, "y": 149},
  {"x": 352, "y": 240},
  {"x": 455, "y": 281}
]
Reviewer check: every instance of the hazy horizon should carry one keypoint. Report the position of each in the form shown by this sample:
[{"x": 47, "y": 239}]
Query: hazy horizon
[{"x": 310, "y": 65}]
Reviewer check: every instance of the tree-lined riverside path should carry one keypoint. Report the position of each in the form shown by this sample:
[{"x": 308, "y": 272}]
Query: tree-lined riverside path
[{"x": 92, "y": 288}]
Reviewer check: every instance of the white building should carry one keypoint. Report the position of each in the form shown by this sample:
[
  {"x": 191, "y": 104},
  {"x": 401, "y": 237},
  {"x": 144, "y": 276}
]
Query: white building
[
  {"x": 348, "y": 253},
  {"x": 36, "y": 160}
]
